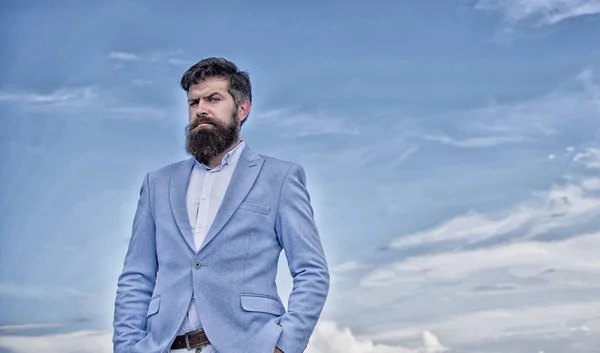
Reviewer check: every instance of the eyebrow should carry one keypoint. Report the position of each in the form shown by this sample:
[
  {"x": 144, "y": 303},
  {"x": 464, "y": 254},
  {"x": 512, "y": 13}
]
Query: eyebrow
[{"x": 195, "y": 98}]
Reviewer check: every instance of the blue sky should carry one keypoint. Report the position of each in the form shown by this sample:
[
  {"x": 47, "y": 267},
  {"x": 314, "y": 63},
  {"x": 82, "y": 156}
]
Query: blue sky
[{"x": 451, "y": 150}]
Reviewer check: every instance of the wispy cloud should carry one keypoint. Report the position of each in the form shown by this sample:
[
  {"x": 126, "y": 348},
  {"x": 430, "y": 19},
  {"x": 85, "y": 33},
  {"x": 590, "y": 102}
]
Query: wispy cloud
[
  {"x": 543, "y": 12},
  {"x": 141, "y": 83},
  {"x": 523, "y": 260},
  {"x": 137, "y": 112},
  {"x": 11, "y": 329},
  {"x": 535, "y": 254},
  {"x": 575, "y": 102},
  {"x": 347, "y": 267},
  {"x": 539, "y": 322},
  {"x": 302, "y": 124},
  {"x": 61, "y": 97},
  {"x": 559, "y": 272},
  {"x": 40, "y": 291},
  {"x": 590, "y": 158},
  {"x": 170, "y": 57},
  {"x": 486, "y": 141},
  {"x": 405, "y": 154},
  {"x": 122, "y": 56},
  {"x": 571, "y": 204},
  {"x": 588, "y": 78},
  {"x": 560, "y": 207},
  {"x": 343, "y": 271},
  {"x": 71, "y": 100},
  {"x": 74, "y": 342}
]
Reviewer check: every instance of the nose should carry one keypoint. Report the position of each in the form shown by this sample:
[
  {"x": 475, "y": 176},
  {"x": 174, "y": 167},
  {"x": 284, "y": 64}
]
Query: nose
[{"x": 201, "y": 109}]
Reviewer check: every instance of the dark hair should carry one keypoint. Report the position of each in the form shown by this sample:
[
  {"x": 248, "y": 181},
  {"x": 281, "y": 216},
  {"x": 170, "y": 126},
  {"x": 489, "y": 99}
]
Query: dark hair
[{"x": 239, "y": 81}]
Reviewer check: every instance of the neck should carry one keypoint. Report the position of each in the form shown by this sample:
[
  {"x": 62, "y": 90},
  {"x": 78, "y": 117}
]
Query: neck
[{"x": 216, "y": 160}]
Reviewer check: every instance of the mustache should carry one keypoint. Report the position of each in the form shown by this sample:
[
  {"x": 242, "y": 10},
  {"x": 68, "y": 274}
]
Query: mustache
[{"x": 202, "y": 120}]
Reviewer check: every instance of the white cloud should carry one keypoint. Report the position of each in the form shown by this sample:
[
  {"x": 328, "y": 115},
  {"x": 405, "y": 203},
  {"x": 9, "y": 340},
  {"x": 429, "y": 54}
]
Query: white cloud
[
  {"x": 28, "y": 327},
  {"x": 122, "y": 56},
  {"x": 523, "y": 260},
  {"x": 305, "y": 124},
  {"x": 344, "y": 271},
  {"x": 74, "y": 342},
  {"x": 41, "y": 291},
  {"x": 73, "y": 100},
  {"x": 170, "y": 57},
  {"x": 575, "y": 102},
  {"x": 589, "y": 158},
  {"x": 479, "y": 266},
  {"x": 498, "y": 324},
  {"x": 471, "y": 227},
  {"x": 405, "y": 154},
  {"x": 544, "y": 12},
  {"x": 560, "y": 207},
  {"x": 328, "y": 337},
  {"x": 138, "y": 113},
  {"x": 141, "y": 83},
  {"x": 59, "y": 97},
  {"x": 347, "y": 267},
  {"x": 486, "y": 141},
  {"x": 179, "y": 62},
  {"x": 591, "y": 184}
]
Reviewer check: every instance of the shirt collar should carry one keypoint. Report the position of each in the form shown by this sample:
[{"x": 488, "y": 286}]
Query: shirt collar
[{"x": 229, "y": 158}]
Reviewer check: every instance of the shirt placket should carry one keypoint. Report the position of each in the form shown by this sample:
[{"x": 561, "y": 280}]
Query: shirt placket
[{"x": 203, "y": 210}]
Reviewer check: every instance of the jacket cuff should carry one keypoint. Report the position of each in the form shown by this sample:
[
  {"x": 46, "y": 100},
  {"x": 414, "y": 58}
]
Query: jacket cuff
[{"x": 289, "y": 344}]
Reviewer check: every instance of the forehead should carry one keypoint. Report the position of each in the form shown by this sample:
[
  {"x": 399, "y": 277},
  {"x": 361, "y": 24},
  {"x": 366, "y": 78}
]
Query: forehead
[{"x": 209, "y": 86}]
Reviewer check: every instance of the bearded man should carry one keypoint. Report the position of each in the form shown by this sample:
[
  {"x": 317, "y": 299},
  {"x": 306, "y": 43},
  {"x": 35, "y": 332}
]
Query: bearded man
[{"x": 200, "y": 269}]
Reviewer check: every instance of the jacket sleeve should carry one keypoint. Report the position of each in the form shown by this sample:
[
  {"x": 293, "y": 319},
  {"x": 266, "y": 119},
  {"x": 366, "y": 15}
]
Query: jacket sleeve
[
  {"x": 137, "y": 280},
  {"x": 298, "y": 234}
]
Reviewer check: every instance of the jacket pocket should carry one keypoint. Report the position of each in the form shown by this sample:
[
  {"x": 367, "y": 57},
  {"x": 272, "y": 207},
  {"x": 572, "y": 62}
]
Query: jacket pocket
[
  {"x": 255, "y": 302},
  {"x": 153, "y": 307},
  {"x": 254, "y": 208}
]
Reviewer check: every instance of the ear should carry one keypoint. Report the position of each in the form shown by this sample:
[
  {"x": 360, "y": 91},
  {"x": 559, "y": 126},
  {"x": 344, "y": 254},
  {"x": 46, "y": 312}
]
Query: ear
[{"x": 244, "y": 110}]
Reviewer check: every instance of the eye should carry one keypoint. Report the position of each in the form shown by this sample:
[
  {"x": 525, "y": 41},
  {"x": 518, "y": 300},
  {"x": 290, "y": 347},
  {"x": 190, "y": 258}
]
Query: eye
[
  {"x": 193, "y": 103},
  {"x": 214, "y": 99}
]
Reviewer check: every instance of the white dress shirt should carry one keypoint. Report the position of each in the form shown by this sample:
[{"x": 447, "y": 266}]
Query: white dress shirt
[{"x": 205, "y": 193}]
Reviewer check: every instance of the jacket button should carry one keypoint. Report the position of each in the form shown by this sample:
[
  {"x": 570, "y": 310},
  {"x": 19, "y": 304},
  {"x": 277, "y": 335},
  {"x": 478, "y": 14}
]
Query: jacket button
[{"x": 197, "y": 265}]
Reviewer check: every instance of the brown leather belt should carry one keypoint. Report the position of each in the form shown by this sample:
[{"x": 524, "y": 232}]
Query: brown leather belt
[{"x": 191, "y": 340}]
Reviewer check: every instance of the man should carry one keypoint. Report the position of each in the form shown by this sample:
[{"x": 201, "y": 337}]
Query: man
[{"x": 200, "y": 269}]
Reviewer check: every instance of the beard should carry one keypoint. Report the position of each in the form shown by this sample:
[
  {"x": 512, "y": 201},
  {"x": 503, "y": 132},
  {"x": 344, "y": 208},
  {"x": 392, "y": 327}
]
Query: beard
[{"x": 209, "y": 141}]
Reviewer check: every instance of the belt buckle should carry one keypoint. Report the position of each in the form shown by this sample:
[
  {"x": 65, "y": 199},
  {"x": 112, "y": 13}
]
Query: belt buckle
[{"x": 187, "y": 341}]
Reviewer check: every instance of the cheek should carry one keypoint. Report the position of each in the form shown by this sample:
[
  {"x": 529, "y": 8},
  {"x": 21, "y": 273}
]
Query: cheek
[{"x": 222, "y": 114}]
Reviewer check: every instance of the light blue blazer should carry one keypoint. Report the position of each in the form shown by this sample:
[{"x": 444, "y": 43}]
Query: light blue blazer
[{"x": 232, "y": 277}]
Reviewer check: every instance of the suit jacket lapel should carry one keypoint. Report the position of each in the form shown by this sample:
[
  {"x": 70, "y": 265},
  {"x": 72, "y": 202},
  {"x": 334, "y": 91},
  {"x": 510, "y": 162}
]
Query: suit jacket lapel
[
  {"x": 242, "y": 180},
  {"x": 180, "y": 178}
]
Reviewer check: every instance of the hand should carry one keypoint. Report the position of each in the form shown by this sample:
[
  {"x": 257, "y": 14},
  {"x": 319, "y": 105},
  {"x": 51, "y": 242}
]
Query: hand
[{"x": 277, "y": 350}]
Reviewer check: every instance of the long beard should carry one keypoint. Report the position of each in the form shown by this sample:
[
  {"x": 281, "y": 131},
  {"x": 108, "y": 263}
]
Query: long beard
[{"x": 209, "y": 141}]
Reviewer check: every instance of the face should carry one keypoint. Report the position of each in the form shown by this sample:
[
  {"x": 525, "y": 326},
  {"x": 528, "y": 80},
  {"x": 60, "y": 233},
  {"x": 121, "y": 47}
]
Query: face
[{"x": 214, "y": 120}]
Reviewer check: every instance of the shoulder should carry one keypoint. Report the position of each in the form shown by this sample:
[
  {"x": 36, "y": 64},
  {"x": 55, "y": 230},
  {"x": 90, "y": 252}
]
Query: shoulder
[
  {"x": 286, "y": 171},
  {"x": 281, "y": 165},
  {"x": 164, "y": 172}
]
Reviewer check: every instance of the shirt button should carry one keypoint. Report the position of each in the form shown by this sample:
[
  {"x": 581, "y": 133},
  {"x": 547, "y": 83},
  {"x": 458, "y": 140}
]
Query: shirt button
[
  {"x": 203, "y": 197},
  {"x": 197, "y": 265}
]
